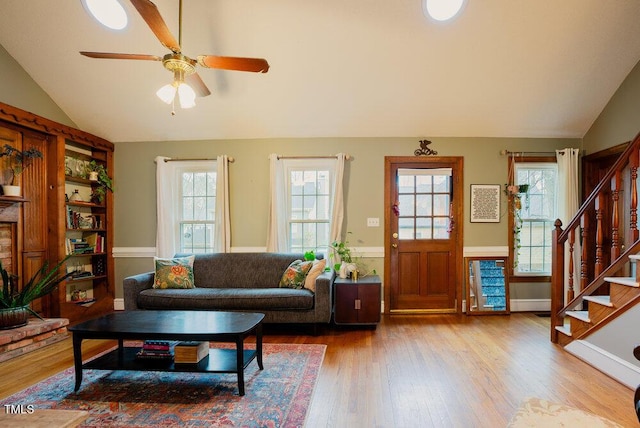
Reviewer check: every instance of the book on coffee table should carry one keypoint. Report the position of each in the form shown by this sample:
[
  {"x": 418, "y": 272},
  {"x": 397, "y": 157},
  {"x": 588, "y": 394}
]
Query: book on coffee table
[
  {"x": 190, "y": 352},
  {"x": 156, "y": 350}
]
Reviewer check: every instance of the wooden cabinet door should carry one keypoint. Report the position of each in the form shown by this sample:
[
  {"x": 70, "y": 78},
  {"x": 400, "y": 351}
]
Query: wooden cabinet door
[
  {"x": 34, "y": 218},
  {"x": 369, "y": 296},
  {"x": 345, "y": 311}
]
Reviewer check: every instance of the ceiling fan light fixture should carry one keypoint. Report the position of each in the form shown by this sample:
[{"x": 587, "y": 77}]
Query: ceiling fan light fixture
[
  {"x": 186, "y": 96},
  {"x": 109, "y": 13},
  {"x": 442, "y": 10},
  {"x": 167, "y": 93}
]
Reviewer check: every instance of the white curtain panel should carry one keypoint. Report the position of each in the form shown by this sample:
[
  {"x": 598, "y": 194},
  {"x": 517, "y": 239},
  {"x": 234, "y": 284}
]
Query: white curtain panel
[
  {"x": 337, "y": 212},
  {"x": 276, "y": 229},
  {"x": 568, "y": 205},
  {"x": 222, "y": 235},
  {"x": 165, "y": 201}
]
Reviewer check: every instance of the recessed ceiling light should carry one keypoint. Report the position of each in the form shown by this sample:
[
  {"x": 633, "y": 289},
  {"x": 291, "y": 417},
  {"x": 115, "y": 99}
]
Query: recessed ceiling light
[
  {"x": 109, "y": 13},
  {"x": 442, "y": 10}
]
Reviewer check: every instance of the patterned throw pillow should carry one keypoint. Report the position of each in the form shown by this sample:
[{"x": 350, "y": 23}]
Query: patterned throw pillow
[
  {"x": 174, "y": 273},
  {"x": 295, "y": 274},
  {"x": 314, "y": 272}
]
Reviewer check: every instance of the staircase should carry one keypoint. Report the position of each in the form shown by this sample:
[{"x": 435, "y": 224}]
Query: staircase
[
  {"x": 487, "y": 289},
  {"x": 597, "y": 259},
  {"x": 624, "y": 292},
  {"x": 493, "y": 284}
]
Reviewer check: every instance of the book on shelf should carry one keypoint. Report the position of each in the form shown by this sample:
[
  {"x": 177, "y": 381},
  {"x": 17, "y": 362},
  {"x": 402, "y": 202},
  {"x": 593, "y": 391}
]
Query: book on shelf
[
  {"x": 78, "y": 246},
  {"x": 190, "y": 352},
  {"x": 96, "y": 241},
  {"x": 82, "y": 220}
]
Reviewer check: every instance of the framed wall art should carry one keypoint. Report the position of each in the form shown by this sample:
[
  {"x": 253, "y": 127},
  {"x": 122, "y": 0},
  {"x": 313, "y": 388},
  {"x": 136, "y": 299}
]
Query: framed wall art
[{"x": 485, "y": 203}]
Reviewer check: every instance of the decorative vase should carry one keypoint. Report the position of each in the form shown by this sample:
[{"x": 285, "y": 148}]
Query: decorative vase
[
  {"x": 343, "y": 270},
  {"x": 13, "y": 317},
  {"x": 10, "y": 190},
  {"x": 93, "y": 175},
  {"x": 75, "y": 196}
]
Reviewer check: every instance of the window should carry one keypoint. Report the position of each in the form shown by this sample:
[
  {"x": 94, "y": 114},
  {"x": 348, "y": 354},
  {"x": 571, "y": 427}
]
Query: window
[
  {"x": 533, "y": 221},
  {"x": 309, "y": 194},
  {"x": 197, "y": 210},
  {"x": 424, "y": 196}
]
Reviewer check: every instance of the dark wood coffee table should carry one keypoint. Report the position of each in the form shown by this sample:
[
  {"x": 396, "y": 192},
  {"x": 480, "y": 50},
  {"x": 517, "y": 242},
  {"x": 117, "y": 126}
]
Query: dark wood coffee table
[{"x": 212, "y": 326}]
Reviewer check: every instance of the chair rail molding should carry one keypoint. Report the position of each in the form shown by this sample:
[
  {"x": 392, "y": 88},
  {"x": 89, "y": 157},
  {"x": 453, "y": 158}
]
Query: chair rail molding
[{"x": 490, "y": 251}]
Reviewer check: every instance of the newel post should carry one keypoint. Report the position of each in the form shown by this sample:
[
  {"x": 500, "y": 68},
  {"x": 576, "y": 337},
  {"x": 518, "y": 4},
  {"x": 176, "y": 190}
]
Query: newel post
[{"x": 557, "y": 279}]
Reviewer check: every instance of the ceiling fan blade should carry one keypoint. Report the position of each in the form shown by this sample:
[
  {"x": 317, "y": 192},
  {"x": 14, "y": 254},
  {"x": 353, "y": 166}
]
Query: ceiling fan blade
[
  {"x": 152, "y": 17},
  {"x": 195, "y": 81},
  {"x": 234, "y": 63},
  {"x": 107, "y": 55}
]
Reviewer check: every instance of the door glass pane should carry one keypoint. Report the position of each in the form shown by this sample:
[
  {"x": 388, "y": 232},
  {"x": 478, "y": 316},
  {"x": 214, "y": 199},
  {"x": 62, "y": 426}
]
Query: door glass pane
[
  {"x": 440, "y": 228},
  {"x": 423, "y": 184},
  {"x": 407, "y": 207},
  {"x": 406, "y": 184},
  {"x": 441, "y": 184},
  {"x": 423, "y": 228},
  {"x": 424, "y": 203},
  {"x": 441, "y": 205},
  {"x": 406, "y": 228}
]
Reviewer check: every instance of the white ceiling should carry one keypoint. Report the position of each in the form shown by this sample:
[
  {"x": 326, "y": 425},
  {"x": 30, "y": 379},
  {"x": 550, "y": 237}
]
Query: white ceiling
[{"x": 356, "y": 68}]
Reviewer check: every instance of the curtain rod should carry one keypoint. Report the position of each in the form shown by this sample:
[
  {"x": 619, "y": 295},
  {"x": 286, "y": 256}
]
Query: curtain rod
[
  {"x": 347, "y": 157},
  {"x": 195, "y": 159},
  {"x": 508, "y": 152}
]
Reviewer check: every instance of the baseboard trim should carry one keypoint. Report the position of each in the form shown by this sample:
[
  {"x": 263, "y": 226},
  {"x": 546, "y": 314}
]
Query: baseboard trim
[
  {"x": 611, "y": 365},
  {"x": 118, "y": 304},
  {"x": 530, "y": 305}
]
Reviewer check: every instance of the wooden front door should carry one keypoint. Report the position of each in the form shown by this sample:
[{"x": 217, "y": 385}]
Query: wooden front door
[{"x": 423, "y": 234}]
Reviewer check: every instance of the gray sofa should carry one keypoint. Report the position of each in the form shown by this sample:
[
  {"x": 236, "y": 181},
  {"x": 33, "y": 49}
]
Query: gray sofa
[{"x": 238, "y": 282}]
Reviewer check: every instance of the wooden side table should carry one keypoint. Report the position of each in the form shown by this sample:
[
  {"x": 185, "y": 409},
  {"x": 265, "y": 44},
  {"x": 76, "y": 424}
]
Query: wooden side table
[{"x": 357, "y": 302}]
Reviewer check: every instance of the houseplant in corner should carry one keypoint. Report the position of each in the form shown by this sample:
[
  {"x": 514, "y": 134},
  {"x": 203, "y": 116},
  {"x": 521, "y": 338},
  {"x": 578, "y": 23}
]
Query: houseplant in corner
[
  {"x": 16, "y": 161},
  {"x": 14, "y": 302},
  {"x": 98, "y": 173}
]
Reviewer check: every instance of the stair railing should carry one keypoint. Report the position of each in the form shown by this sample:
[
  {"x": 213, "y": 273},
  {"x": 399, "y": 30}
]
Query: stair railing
[{"x": 595, "y": 237}]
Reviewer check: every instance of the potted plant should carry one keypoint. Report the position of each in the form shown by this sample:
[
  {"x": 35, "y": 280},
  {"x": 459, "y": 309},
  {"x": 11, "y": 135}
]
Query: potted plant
[
  {"x": 14, "y": 302},
  {"x": 345, "y": 267},
  {"x": 98, "y": 173},
  {"x": 16, "y": 162}
]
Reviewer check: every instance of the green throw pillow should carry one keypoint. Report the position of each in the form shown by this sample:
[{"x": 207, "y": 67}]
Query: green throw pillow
[
  {"x": 295, "y": 274},
  {"x": 174, "y": 273}
]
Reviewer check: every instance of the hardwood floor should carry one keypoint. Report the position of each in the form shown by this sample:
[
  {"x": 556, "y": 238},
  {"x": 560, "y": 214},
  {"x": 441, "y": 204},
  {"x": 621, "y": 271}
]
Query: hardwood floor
[{"x": 428, "y": 371}]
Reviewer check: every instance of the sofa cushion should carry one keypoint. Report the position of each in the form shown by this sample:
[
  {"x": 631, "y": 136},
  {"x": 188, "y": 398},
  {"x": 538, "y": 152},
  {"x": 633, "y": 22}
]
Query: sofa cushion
[
  {"x": 314, "y": 273},
  {"x": 240, "y": 270},
  {"x": 227, "y": 299},
  {"x": 295, "y": 274},
  {"x": 174, "y": 273}
]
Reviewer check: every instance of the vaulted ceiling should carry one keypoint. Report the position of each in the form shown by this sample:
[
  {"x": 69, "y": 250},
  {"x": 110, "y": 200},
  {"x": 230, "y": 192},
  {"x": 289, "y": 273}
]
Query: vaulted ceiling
[{"x": 357, "y": 68}]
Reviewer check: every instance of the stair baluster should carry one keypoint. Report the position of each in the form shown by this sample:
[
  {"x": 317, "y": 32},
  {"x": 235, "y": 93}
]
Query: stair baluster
[{"x": 609, "y": 194}]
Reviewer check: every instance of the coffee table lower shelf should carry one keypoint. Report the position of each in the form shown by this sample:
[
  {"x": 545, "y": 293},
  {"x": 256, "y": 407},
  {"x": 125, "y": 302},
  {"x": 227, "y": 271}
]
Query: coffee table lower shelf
[{"x": 218, "y": 361}]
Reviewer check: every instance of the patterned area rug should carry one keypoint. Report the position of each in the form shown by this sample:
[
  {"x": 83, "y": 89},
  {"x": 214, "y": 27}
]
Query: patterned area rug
[
  {"x": 536, "y": 412},
  {"x": 277, "y": 396}
]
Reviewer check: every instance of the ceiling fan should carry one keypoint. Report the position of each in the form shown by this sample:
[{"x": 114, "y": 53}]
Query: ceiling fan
[{"x": 183, "y": 67}]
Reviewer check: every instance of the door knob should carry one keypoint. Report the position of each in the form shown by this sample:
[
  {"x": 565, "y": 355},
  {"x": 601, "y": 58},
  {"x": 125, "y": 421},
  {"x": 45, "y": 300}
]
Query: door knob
[{"x": 395, "y": 235}]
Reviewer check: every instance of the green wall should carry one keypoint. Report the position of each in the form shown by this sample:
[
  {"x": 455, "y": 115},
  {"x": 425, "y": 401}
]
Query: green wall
[
  {"x": 619, "y": 122},
  {"x": 134, "y": 197},
  {"x": 18, "y": 89},
  {"x": 249, "y": 181}
]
